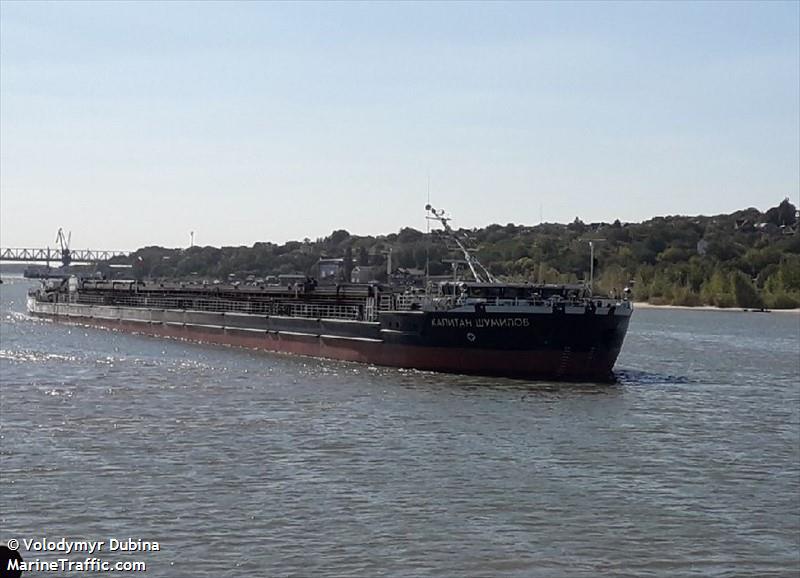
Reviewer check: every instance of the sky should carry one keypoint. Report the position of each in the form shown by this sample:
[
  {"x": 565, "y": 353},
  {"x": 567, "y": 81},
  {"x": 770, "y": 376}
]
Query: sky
[{"x": 132, "y": 124}]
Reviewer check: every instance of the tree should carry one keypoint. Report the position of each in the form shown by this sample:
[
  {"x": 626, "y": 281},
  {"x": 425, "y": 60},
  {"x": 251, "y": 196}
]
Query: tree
[
  {"x": 789, "y": 273},
  {"x": 578, "y": 226},
  {"x": 409, "y": 235},
  {"x": 717, "y": 291},
  {"x": 744, "y": 292},
  {"x": 784, "y": 214},
  {"x": 338, "y": 237}
]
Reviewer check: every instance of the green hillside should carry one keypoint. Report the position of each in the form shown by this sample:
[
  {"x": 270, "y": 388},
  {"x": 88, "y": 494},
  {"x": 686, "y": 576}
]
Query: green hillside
[{"x": 745, "y": 259}]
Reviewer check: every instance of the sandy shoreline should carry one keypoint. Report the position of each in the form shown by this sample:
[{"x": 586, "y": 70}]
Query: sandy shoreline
[{"x": 645, "y": 305}]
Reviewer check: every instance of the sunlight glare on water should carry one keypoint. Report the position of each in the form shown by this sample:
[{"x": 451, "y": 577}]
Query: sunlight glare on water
[{"x": 248, "y": 463}]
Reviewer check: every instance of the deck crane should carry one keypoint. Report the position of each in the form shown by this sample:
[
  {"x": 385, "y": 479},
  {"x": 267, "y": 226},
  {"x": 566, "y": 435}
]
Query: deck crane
[{"x": 480, "y": 272}]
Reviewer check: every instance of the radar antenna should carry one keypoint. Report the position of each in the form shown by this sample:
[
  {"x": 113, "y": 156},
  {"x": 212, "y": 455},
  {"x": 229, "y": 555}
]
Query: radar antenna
[{"x": 480, "y": 272}]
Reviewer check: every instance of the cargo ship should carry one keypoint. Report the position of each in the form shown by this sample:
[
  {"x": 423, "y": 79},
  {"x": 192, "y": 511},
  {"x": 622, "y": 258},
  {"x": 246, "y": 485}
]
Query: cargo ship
[{"x": 483, "y": 326}]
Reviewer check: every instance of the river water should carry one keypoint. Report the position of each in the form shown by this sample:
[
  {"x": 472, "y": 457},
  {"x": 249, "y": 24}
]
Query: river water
[{"x": 242, "y": 463}]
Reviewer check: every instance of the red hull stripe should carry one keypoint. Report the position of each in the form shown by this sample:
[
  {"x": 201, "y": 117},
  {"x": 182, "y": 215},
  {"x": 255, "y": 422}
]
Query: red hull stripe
[{"x": 535, "y": 364}]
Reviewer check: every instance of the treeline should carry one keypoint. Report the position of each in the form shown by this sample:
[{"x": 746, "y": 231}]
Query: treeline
[{"x": 745, "y": 259}]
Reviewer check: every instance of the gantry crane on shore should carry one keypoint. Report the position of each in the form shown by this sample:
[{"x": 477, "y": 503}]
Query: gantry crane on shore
[
  {"x": 62, "y": 252},
  {"x": 63, "y": 241}
]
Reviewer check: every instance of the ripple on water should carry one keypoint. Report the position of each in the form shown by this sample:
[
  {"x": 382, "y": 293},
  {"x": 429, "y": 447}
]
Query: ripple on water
[{"x": 246, "y": 463}]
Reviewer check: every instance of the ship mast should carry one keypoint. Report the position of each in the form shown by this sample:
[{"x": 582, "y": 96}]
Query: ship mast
[{"x": 474, "y": 265}]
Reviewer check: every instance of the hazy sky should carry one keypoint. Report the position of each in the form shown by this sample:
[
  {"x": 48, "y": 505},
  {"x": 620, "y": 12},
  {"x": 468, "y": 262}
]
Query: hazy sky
[{"x": 134, "y": 123}]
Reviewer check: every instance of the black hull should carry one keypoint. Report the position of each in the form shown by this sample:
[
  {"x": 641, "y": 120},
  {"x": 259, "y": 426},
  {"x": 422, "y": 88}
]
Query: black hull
[{"x": 552, "y": 345}]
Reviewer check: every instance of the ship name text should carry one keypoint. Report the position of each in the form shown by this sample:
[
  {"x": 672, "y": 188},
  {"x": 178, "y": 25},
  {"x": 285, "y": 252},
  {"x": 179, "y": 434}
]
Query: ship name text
[{"x": 480, "y": 322}]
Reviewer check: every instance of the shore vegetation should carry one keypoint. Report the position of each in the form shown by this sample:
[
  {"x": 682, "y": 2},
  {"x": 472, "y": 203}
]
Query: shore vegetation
[{"x": 745, "y": 259}]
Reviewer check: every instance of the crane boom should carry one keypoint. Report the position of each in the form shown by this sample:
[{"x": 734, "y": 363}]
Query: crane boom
[{"x": 472, "y": 262}]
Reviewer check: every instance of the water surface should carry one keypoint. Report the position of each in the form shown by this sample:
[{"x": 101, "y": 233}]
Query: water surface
[{"x": 244, "y": 463}]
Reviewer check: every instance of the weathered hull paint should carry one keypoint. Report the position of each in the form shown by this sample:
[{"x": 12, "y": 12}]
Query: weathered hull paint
[{"x": 593, "y": 364}]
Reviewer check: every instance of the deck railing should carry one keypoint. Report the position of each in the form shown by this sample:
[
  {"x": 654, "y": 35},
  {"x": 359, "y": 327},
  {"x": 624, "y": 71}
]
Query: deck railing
[
  {"x": 366, "y": 310},
  {"x": 309, "y": 310}
]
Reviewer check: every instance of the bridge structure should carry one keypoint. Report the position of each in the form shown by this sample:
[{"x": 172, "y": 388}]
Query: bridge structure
[{"x": 65, "y": 256}]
